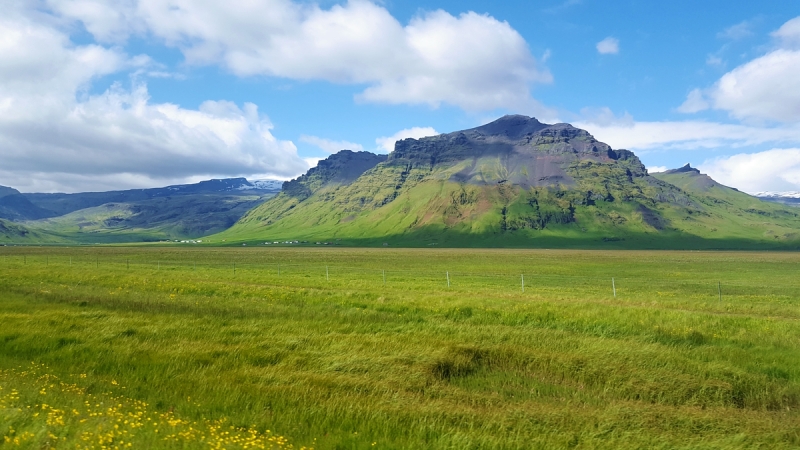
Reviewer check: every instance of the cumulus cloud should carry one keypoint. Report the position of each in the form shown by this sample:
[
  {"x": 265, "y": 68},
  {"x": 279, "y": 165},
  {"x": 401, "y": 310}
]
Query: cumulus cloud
[
  {"x": 472, "y": 61},
  {"x": 656, "y": 169},
  {"x": 387, "y": 143},
  {"x": 776, "y": 170},
  {"x": 330, "y": 146},
  {"x": 121, "y": 132},
  {"x": 57, "y": 136},
  {"x": 789, "y": 33},
  {"x": 608, "y": 46},
  {"x": 765, "y": 88}
]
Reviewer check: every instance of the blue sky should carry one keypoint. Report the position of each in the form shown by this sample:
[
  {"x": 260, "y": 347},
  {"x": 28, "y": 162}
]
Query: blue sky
[{"x": 99, "y": 95}]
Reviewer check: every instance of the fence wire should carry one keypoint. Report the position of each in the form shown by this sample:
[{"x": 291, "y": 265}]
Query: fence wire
[{"x": 342, "y": 275}]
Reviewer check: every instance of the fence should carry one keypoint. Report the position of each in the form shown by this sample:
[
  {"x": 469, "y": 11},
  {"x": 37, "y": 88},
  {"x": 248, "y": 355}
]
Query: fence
[{"x": 325, "y": 274}]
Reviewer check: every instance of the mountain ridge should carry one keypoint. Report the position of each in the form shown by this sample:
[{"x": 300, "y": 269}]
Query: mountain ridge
[
  {"x": 134, "y": 215},
  {"x": 517, "y": 181}
]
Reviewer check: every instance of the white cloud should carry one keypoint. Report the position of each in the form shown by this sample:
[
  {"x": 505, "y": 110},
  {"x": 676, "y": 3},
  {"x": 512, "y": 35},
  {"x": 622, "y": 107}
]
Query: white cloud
[
  {"x": 688, "y": 134},
  {"x": 657, "y": 169},
  {"x": 330, "y": 146},
  {"x": 789, "y": 33},
  {"x": 694, "y": 102},
  {"x": 776, "y": 170},
  {"x": 387, "y": 143},
  {"x": 765, "y": 88},
  {"x": 739, "y": 31},
  {"x": 312, "y": 162},
  {"x": 604, "y": 117},
  {"x": 57, "y": 136},
  {"x": 608, "y": 46},
  {"x": 472, "y": 61},
  {"x": 120, "y": 132}
]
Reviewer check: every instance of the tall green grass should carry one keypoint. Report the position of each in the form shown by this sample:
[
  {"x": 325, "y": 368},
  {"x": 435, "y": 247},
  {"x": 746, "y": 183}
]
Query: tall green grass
[{"x": 313, "y": 345}]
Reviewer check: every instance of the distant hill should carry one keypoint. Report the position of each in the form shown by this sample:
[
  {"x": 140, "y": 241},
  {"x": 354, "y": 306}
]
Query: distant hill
[
  {"x": 179, "y": 217},
  {"x": 514, "y": 182},
  {"x": 135, "y": 215},
  {"x": 785, "y": 198},
  {"x": 14, "y": 233},
  {"x": 15, "y": 206},
  {"x": 60, "y": 204}
]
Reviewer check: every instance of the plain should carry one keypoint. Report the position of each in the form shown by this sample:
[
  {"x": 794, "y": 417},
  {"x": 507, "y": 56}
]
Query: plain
[{"x": 333, "y": 347}]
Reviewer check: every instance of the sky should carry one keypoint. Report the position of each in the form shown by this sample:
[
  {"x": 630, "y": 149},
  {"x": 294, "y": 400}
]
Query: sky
[{"x": 98, "y": 95}]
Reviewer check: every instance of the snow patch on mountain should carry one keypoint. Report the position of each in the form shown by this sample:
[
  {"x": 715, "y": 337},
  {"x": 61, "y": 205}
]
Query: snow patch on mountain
[
  {"x": 264, "y": 185},
  {"x": 769, "y": 194}
]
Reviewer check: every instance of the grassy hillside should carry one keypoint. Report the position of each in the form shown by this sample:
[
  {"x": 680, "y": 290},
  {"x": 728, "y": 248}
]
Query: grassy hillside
[
  {"x": 247, "y": 348},
  {"x": 606, "y": 210},
  {"x": 179, "y": 217},
  {"x": 14, "y": 233},
  {"x": 517, "y": 183}
]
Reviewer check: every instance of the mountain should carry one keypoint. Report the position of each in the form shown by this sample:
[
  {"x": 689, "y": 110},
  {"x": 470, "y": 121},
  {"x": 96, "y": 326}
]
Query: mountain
[
  {"x": 273, "y": 186},
  {"x": 513, "y": 182},
  {"x": 172, "y": 212},
  {"x": 61, "y": 204},
  {"x": 690, "y": 179},
  {"x": 340, "y": 169},
  {"x": 14, "y": 233},
  {"x": 179, "y": 217},
  {"x": 15, "y": 206},
  {"x": 786, "y": 198}
]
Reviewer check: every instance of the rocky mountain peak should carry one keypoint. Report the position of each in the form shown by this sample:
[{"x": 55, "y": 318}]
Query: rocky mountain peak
[
  {"x": 513, "y": 127},
  {"x": 685, "y": 169},
  {"x": 342, "y": 167},
  {"x": 515, "y": 149},
  {"x": 6, "y": 191}
]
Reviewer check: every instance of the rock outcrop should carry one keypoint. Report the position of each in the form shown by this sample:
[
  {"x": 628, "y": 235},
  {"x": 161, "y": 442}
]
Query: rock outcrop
[{"x": 343, "y": 167}]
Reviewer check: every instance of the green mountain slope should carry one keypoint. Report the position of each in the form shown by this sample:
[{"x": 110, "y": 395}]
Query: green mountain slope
[
  {"x": 514, "y": 182},
  {"x": 738, "y": 213},
  {"x": 14, "y": 233},
  {"x": 136, "y": 215},
  {"x": 178, "y": 217},
  {"x": 60, "y": 204}
]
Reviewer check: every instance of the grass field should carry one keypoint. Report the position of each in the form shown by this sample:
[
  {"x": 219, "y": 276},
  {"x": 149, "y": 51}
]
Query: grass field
[{"x": 164, "y": 347}]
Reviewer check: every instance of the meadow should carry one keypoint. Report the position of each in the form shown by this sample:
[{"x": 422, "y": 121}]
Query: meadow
[{"x": 340, "y": 348}]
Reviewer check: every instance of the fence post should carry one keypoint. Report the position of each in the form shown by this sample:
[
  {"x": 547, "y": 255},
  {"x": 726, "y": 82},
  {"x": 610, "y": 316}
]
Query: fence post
[
  {"x": 719, "y": 289},
  {"x": 523, "y": 282},
  {"x": 447, "y": 274},
  {"x": 327, "y": 278},
  {"x": 384, "y": 277},
  {"x": 614, "y": 287}
]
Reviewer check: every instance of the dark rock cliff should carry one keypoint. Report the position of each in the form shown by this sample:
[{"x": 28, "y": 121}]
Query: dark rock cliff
[{"x": 343, "y": 167}]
